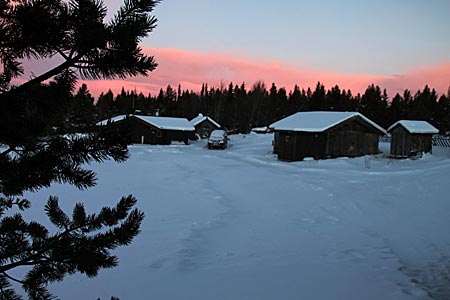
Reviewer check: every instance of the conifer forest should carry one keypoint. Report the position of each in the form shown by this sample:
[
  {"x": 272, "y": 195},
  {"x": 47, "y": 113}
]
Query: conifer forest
[{"x": 239, "y": 108}]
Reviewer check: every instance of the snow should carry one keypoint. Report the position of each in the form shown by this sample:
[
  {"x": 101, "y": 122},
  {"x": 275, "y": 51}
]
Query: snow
[
  {"x": 318, "y": 121},
  {"x": 167, "y": 123},
  {"x": 218, "y": 134},
  {"x": 416, "y": 126},
  {"x": 200, "y": 118},
  {"x": 112, "y": 120},
  {"x": 239, "y": 224},
  {"x": 261, "y": 129}
]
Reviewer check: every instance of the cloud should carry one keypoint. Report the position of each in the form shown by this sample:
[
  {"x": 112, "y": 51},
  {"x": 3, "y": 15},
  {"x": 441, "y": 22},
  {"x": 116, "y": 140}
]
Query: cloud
[
  {"x": 437, "y": 77},
  {"x": 190, "y": 69}
]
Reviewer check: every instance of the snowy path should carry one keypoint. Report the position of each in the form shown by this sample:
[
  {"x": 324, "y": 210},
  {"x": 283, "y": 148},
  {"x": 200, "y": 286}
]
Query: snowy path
[{"x": 238, "y": 224}]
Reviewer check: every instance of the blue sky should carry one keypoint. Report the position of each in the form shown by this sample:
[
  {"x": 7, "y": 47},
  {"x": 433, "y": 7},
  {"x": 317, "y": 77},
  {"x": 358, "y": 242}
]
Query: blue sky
[
  {"x": 369, "y": 37},
  {"x": 398, "y": 44}
]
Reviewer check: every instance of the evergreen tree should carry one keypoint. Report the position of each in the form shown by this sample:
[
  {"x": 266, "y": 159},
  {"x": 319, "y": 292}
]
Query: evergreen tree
[
  {"x": 36, "y": 140},
  {"x": 105, "y": 106},
  {"x": 124, "y": 103},
  {"x": 170, "y": 98},
  {"x": 295, "y": 101},
  {"x": 272, "y": 106},
  {"x": 283, "y": 103},
  {"x": 227, "y": 111},
  {"x": 317, "y": 98},
  {"x": 218, "y": 101},
  {"x": 424, "y": 105},
  {"x": 257, "y": 97},
  {"x": 374, "y": 104},
  {"x": 333, "y": 99},
  {"x": 242, "y": 111},
  {"x": 397, "y": 109},
  {"x": 349, "y": 103},
  {"x": 443, "y": 113},
  {"x": 235, "y": 98},
  {"x": 80, "y": 114}
]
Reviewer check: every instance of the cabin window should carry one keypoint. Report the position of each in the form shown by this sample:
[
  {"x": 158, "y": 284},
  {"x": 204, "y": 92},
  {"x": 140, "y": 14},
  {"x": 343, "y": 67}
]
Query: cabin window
[
  {"x": 159, "y": 133},
  {"x": 287, "y": 138}
]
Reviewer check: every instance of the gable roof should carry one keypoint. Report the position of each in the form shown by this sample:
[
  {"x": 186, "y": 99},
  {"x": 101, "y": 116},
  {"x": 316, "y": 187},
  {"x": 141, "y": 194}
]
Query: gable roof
[
  {"x": 415, "y": 126},
  {"x": 200, "y": 118},
  {"x": 319, "y": 121},
  {"x": 165, "y": 123},
  {"x": 112, "y": 120}
]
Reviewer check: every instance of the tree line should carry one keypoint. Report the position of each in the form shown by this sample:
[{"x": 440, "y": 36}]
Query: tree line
[{"x": 239, "y": 108}]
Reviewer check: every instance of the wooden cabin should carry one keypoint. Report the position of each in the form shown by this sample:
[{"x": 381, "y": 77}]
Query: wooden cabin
[
  {"x": 411, "y": 138},
  {"x": 204, "y": 125},
  {"x": 325, "y": 134},
  {"x": 154, "y": 130}
]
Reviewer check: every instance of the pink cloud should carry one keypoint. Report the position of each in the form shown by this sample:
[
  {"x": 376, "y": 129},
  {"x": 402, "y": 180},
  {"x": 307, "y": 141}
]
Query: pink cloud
[
  {"x": 191, "y": 69},
  {"x": 437, "y": 77}
]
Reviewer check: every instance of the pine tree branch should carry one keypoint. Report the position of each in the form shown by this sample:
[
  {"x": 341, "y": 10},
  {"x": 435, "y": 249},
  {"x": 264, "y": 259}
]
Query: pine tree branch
[
  {"x": 33, "y": 259},
  {"x": 43, "y": 77},
  {"x": 60, "y": 52}
]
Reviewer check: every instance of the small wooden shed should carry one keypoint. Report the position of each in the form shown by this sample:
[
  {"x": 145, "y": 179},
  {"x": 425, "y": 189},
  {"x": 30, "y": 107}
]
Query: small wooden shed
[
  {"x": 154, "y": 130},
  {"x": 325, "y": 134},
  {"x": 411, "y": 138},
  {"x": 204, "y": 125}
]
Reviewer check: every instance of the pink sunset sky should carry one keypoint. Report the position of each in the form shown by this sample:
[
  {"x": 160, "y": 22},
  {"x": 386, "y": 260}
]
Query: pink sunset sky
[{"x": 190, "y": 69}]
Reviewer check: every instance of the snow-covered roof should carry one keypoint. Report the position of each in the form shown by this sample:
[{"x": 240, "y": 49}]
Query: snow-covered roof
[
  {"x": 415, "y": 126},
  {"x": 318, "y": 121},
  {"x": 200, "y": 118},
  {"x": 112, "y": 120},
  {"x": 167, "y": 123},
  {"x": 259, "y": 129}
]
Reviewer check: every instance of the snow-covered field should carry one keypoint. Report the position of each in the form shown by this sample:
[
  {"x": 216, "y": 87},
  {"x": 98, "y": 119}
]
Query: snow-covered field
[{"x": 238, "y": 224}]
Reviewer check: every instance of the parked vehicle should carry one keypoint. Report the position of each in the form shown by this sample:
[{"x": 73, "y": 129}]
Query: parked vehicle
[{"x": 218, "y": 139}]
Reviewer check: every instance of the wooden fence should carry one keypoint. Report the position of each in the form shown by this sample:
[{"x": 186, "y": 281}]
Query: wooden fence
[
  {"x": 441, "y": 141},
  {"x": 438, "y": 140}
]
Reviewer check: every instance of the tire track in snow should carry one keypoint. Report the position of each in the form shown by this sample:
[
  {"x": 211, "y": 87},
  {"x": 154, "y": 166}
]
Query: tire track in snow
[
  {"x": 193, "y": 254},
  {"x": 433, "y": 276},
  {"x": 435, "y": 285}
]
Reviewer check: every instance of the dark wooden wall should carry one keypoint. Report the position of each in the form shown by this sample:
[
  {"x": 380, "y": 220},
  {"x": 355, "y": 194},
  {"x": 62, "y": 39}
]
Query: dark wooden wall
[
  {"x": 139, "y": 131},
  {"x": 294, "y": 146},
  {"x": 351, "y": 138},
  {"x": 405, "y": 144},
  {"x": 204, "y": 128},
  {"x": 176, "y": 135}
]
